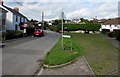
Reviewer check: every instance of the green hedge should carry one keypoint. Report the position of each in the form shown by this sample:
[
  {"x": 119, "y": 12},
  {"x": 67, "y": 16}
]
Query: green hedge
[
  {"x": 11, "y": 34},
  {"x": 75, "y": 27}
]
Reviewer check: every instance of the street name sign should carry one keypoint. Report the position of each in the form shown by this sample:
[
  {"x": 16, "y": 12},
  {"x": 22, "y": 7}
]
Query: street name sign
[{"x": 67, "y": 36}]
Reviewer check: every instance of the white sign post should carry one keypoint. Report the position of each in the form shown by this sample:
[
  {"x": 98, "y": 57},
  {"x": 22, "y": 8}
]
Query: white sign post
[{"x": 67, "y": 36}]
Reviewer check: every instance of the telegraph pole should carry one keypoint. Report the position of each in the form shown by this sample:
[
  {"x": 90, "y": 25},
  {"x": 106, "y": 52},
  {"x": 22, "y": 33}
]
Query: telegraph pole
[
  {"x": 42, "y": 21},
  {"x": 62, "y": 17},
  {"x": 62, "y": 29}
]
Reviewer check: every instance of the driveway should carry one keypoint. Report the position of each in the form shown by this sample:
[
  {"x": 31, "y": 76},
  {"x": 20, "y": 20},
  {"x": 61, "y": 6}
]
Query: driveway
[{"x": 21, "y": 56}]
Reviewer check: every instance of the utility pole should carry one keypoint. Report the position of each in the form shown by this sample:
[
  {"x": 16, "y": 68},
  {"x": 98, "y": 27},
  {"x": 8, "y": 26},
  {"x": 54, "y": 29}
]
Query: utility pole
[
  {"x": 42, "y": 21},
  {"x": 62, "y": 31}
]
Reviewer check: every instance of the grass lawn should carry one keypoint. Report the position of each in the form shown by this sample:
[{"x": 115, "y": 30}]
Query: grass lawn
[
  {"x": 58, "y": 56},
  {"x": 100, "y": 54}
]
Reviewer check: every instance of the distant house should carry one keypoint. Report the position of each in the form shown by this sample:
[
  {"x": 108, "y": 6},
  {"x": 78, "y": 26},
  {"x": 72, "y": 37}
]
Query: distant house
[
  {"x": 76, "y": 20},
  {"x": 101, "y": 21},
  {"x": 13, "y": 18},
  {"x": 112, "y": 24},
  {"x": 2, "y": 19}
]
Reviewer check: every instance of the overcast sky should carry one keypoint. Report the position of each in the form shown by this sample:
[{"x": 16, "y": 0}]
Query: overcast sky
[{"x": 73, "y": 9}]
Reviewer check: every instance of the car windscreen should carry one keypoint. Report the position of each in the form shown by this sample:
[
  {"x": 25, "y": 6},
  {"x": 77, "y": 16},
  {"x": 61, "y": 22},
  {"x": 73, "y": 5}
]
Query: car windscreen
[{"x": 37, "y": 30}]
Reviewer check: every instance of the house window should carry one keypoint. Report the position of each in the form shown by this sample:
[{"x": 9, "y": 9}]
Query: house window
[
  {"x": 16, "y": 27},
  {"x": 16, "y": 18},
  {"x": 24, "y": 19},
  {"x": 20, "y": 19}
]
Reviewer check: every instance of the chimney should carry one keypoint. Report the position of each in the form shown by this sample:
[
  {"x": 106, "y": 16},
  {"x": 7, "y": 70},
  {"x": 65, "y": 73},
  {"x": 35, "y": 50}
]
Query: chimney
[
  {"x": 16, "y": 9},
  {"x": 1, "y": 2}
]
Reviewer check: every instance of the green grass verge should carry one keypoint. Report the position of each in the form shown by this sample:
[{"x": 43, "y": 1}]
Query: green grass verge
[
  {"x": 57, "y": 55},
  {"x": 100, "y": 54}
]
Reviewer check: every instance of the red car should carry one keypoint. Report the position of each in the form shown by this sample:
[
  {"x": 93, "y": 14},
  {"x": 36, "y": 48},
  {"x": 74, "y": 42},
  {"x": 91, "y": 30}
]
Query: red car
[
  {"x": 60, "y": 31},
  {"x": 38, "y": 32}
]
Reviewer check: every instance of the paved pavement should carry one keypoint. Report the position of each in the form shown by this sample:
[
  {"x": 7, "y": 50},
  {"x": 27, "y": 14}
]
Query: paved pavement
[
  {"x": 20, "y": 56},
  {"x": 113, "y": 41},
  {"x": 79, "y": 67}
]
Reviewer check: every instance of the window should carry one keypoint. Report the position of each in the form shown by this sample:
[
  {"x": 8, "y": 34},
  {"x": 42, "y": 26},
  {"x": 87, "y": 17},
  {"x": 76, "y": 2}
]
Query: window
[
  {"x": 20, "y": 19},
  {"x": 16, "y": 27},
  {"x": 24, "y": 19},
  {"x": 16, "y": 18}
]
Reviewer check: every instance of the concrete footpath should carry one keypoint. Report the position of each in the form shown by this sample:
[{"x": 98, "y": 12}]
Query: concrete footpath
[{"x": 79, "y": 67}]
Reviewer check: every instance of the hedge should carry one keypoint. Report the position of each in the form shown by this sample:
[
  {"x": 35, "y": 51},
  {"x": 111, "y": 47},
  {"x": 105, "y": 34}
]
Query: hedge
[
  {"x": 11, "y": 34},
  {"x": 75, "y": 27}
]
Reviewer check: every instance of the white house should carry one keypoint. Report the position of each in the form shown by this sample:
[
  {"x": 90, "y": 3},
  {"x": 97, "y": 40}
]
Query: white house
[
  {"x": 112, "y": 24},
  {"x": 76, "y": 20},
  {"x": 13, "y": 18}
]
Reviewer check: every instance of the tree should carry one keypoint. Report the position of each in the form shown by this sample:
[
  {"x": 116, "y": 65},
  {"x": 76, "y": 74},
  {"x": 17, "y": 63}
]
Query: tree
[{"x": 84, "y": 20}]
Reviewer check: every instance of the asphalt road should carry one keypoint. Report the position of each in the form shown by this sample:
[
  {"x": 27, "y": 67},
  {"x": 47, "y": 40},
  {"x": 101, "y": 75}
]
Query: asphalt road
[{"x": 21, "y": 56}]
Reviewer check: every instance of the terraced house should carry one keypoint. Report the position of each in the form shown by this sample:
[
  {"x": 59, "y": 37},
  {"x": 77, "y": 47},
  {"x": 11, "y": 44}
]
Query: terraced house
[{"x": 13, "y": 17}]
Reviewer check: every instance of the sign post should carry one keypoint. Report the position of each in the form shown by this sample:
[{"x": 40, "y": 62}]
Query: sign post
[
  {"x": 24, "y": 30},
  {"x": 62, "y": 32},
  {"x": 68, "y": 36}
]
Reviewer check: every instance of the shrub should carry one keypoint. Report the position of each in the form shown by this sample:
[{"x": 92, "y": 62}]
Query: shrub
[
  {"x": 30, "y": 30},
  {"x": 53, "y": 27},
  {"x": 11, "y": 34},
  {"x": 111, "y": 34},
  {"x": 115, "y": 34},
  {"x": 17, "y": 34},
  {"x": 118, "y": 35},
  {"x": 105, "y": 31}
]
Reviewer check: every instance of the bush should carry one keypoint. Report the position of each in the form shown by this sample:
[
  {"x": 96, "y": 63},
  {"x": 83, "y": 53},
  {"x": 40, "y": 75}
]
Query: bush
[
  {"x": 115, "y": 34},
  {"x": 112, "y": 34},
  {"x": 30, "y": 30},
  {"x": 11, "y": 34},
  {"x": 17, "y": 34},
  {"x": 53, "y": 27},
  {"x": 105, "y": 31},
  {"x": 118, "y": 35}
]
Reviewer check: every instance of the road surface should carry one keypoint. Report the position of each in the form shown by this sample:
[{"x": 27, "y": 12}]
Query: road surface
[{"x": 20, "y": 57}]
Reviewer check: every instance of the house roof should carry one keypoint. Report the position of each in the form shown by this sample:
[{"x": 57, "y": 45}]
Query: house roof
[
  {"x": 112, "y": 21},
  {"x": 102, "y": 20},
  {"x": 3, "y": 10},
  {"x": 75, "y": 19},
  {"x": 14, "y": 12}
]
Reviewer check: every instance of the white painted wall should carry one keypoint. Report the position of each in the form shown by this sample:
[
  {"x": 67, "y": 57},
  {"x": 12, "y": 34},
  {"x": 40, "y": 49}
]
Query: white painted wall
[
  {"x": 9, "y": 21},
  {"x": 110, "y": 27}
]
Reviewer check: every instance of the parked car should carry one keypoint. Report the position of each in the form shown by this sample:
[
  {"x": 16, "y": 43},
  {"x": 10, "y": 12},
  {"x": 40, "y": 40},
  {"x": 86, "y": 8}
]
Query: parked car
[
  {"x": 38, "y": 32},
  {"x": 60, "y": 31}
]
